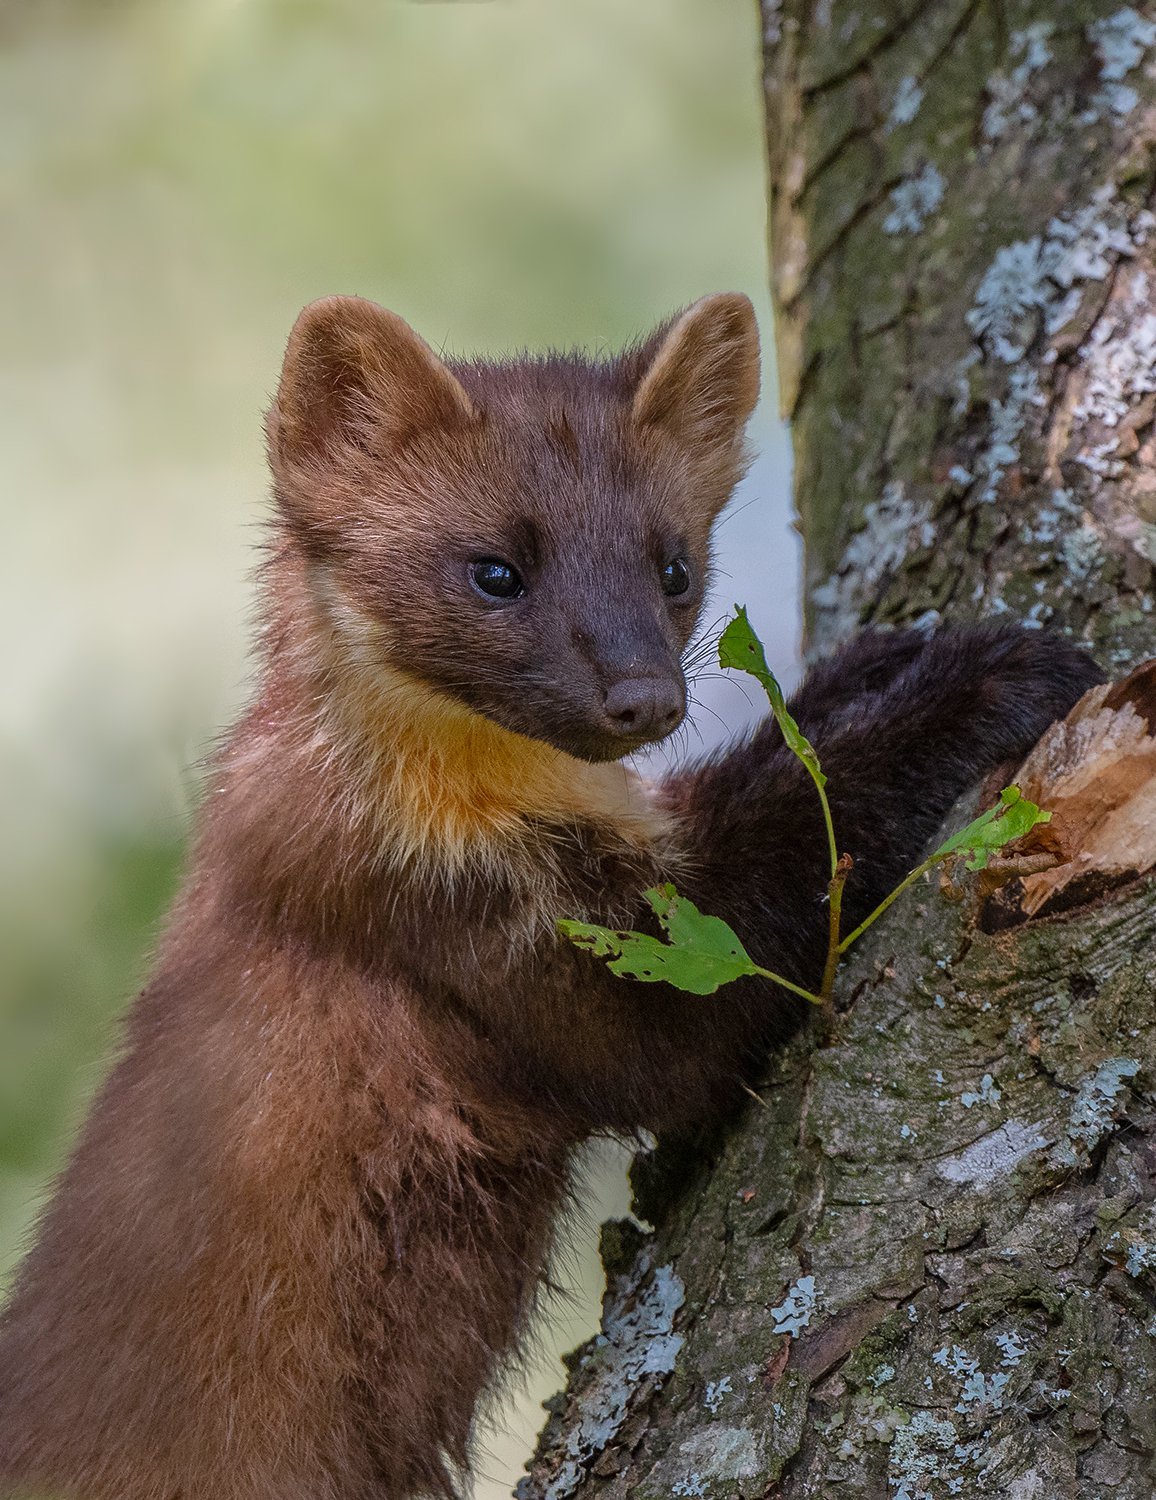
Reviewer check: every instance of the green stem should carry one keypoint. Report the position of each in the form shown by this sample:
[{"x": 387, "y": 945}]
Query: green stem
[
  {"x": 835, "y": 913},
  {"x": 795, "y": 989},
  {"x": 910, "y": 880},
  {"x": 832, "y": 847}
]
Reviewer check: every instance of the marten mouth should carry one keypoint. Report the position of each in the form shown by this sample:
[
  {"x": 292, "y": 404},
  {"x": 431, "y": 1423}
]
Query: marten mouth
[{"x": 600, "y": 747}]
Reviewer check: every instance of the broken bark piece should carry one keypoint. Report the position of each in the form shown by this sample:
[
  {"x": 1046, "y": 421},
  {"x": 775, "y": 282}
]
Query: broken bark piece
[{"x": 1096, "y": 773}]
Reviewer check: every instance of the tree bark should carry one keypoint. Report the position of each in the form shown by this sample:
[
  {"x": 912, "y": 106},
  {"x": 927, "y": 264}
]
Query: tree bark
[{"x": 923, "y": 1263}]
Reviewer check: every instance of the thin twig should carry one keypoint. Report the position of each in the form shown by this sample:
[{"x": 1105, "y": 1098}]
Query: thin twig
[{"x": 928, "y": 864}]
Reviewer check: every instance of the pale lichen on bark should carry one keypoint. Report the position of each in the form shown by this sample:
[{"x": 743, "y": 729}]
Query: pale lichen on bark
[
  {"x": 924, "y": 1264},
  {"x": 994, "y": 363}
]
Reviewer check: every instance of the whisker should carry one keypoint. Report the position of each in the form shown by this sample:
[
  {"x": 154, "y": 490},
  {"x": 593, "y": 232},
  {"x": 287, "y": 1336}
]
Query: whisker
[
  {"x": 731, "y": 512},
  {"x": 719, "y": 677},
  {"x": 698, "y": 703}
]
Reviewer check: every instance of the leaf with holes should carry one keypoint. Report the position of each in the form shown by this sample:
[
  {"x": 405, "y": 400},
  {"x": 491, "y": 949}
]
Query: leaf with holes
[
  {"x": 1011, "y": 817},
  {"x": 702, "y": 952}
]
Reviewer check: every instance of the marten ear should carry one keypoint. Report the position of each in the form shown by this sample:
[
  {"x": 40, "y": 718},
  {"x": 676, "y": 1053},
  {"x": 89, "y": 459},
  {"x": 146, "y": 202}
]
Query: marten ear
[
  {"x": 702, "y": 380},
  {"x": 356, "y": 380}
]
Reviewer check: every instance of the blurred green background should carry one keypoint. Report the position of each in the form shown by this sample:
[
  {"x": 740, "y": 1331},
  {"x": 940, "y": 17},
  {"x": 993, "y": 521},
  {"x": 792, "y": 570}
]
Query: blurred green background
[{"x": 176, "y": 179}]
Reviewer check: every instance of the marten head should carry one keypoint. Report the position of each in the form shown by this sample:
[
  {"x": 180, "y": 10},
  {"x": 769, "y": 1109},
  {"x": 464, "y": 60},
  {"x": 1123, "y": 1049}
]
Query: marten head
[{"x": 528, "y": 538}]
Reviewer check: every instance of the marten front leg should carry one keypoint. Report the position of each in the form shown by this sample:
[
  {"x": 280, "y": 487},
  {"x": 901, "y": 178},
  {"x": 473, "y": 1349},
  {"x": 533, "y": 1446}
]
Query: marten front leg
[{"x": 902, "y": 725}]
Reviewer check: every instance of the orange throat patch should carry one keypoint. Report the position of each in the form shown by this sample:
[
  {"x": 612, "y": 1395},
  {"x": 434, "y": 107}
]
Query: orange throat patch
[{"x": 447, "y": 787}]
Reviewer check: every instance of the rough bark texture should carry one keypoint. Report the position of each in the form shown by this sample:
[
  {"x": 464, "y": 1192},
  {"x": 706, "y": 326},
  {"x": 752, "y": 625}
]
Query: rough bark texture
[{"x": 924, "y": 1265}]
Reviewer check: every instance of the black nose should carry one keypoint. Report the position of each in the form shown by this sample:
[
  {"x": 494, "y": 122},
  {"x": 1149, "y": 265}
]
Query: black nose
[{"x": 645, "y": 706}]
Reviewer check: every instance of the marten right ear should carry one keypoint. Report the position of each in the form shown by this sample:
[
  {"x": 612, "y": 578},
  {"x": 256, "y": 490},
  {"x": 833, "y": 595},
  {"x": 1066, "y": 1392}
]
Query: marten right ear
[
  {"x": 702, "y": 381},
  {"x": 356, "y": 382}
]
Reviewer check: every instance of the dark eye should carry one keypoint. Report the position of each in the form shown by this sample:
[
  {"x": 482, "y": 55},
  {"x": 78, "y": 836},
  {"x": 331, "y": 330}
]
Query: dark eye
[
  {"x": 675, "y": 578},
  {"x": 496, "y": 579}
]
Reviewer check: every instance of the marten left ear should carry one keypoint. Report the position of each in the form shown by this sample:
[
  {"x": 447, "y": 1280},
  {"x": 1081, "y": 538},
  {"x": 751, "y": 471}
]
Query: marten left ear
[
  {"x": 357, "y": 380},
  {"x": 357, "y": 385},
  {"x": 702, "y": 382}
]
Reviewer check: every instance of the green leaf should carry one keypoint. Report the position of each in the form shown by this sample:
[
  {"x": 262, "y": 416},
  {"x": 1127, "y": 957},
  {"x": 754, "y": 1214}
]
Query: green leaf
[
  {"x": 702, "y": 954},
  {"x": 740, "y": 650},
  {"x": 1011, "y": 817}
]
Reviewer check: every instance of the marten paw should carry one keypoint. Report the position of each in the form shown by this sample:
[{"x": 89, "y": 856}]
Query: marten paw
[{"x": 1008, "y": 682}]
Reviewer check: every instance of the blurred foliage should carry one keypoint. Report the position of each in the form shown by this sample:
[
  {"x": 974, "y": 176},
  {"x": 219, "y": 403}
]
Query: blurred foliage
[{"x": 176, "y": 178}]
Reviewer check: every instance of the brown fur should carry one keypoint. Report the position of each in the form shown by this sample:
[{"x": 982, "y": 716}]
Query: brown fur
[{"x": 311, "y": 1210}]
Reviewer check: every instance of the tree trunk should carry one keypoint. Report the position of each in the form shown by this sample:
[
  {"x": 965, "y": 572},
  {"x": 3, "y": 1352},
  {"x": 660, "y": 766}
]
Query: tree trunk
[{"x": 923, "y": 1264}]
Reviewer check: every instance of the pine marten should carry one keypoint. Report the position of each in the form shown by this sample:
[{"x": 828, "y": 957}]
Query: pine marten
[{"x": 311, "y": 1209}]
